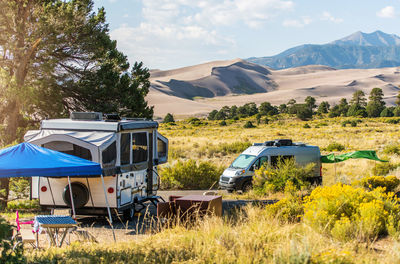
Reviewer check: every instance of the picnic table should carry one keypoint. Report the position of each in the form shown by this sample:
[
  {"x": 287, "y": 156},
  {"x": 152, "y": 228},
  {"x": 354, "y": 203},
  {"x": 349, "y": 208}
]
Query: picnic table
[{"x": 57, "y": 227}]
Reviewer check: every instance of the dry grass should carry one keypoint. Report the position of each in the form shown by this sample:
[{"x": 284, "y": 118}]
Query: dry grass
[{"x": 251, "y": 236}]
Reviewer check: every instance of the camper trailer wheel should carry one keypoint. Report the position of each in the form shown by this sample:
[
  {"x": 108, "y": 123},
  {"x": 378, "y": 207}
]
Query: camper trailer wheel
[
  {"x": 129, "y": 214},
  {"x": 246, "y": 186}
]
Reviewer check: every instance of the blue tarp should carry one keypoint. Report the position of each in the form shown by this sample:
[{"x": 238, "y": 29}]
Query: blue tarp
[{"x": 26, "y": 160}]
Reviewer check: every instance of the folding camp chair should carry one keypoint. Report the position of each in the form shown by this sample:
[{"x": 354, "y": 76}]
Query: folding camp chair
[{"x": 24, "y": 236}]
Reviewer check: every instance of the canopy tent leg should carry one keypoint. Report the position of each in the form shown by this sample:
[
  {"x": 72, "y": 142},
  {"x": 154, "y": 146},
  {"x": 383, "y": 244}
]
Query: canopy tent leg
[
  {"x": 108, "y": 206},
  {"x": 72, "y": 198}
]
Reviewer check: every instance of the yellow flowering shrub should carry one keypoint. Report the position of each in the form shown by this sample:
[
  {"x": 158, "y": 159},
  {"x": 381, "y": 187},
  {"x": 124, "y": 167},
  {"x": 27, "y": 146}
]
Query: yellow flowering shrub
[
  {"x": 347, "y": 212},
  {"x": 390, "y": 183},
  {"x": 289, "y": 209}
]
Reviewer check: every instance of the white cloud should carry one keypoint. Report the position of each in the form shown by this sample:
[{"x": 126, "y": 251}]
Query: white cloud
[
  {"x": 181, "y": 30},
  {"x": 387, "y": 12},
  {"x": 326, "y": 16},
  {"x": 299, "y": 23}
]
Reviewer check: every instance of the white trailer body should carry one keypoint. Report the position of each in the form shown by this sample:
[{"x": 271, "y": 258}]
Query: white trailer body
[{"x": 128, "y": 151}]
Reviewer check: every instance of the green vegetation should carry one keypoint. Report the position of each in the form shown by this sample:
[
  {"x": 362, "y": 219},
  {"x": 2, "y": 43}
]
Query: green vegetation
[
  {"x": 58, "y": 57},
  {"x": 169, "y": 118},
  {"x": 275, "y": 178},
  {"x": 190, "y": 175},
  {"x": 8, "y": 255},
  {"x": 334, "y": 146}
]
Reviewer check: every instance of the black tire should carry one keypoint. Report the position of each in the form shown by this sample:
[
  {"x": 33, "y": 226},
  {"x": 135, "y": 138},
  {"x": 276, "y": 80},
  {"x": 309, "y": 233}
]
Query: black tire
[
  {"x": 129, "y": 214},
  {"x": 247, "y": 186},
  {"x": 80, "y": 193},
  {"x": 229, "y": 191}
]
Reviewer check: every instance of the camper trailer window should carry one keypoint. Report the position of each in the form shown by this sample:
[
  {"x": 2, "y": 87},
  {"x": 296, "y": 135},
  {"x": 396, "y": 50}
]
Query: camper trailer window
[
  {"x": 161, "y": 148},
  {"x": 69, "y": 148},
  {"x": 275, "y": 159},
  {"x": 109, "y": 155},
  {"x": 125, "y": 148},
  {"x": 139, "y": 147}
]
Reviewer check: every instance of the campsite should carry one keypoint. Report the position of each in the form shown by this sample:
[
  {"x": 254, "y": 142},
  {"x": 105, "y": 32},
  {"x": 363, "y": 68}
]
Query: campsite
[
  {"x": 136, "y": 242},
  {"x": 173, "y": 131}
]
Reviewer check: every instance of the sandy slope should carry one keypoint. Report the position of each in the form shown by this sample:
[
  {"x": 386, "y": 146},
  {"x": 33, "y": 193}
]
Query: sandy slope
[{"x": 324, "y": 83}]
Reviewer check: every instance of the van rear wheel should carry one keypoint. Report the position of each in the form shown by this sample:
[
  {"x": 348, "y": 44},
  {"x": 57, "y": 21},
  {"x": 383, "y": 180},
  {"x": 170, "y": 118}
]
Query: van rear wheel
[{"x": 247, "y": 186}]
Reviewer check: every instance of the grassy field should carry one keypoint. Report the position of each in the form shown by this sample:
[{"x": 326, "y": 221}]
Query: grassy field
[
  {"x": 253, "y": 235},
  {"x": 206, "y": 141}
]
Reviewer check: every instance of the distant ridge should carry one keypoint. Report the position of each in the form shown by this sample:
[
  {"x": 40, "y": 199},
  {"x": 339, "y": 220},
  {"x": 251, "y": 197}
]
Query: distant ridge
[{"x": 358, "y": 50}]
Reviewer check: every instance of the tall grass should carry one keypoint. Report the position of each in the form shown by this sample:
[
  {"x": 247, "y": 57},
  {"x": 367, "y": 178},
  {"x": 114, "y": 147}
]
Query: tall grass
[{"x": 251, "y": 236}]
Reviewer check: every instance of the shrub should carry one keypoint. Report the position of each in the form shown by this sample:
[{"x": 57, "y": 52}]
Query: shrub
[
  {"x": 346, "y": 212},
  {"x": 275, "y": 178},
  {"x": 334, "y": 146},
  {"x": 8, "y": 254},
  {"x": 23, "y": 204},
  {"x": 392, "y": 120},
  {"x": 248, "y": 124},
  {"x": 169, "y": 118},
  {"x": 229, "y": 148},
  {"x": 392, "y": 149},
  {"x": 383, "y": 168},
  {"x": 390, "y": 183},
  {"x": 289, "y": 209},
  {"x": 190, "y": 175},
  {"x": 222, "y": 123},
  {"x": 306, "y": 125}
]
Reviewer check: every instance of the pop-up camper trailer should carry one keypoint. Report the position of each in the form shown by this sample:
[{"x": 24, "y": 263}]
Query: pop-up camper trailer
[{"x": 128, "y": 151}]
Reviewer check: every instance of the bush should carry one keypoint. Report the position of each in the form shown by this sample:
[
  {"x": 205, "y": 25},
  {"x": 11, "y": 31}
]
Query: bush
[
  {"x": 222, "y": 123},
  {"x": 8, "y": 254},
  {"x": 334, "y": 146},
  {"x": 306, "y": 125},
  {"x": 391, "y": 149},
  {"x": 23, "y": 204},
  {"x": 392, "y": 120},
  {"x": 229, "y": 148},
  {"x": 274, "y": 179},
  {"x": 248, "y": 124},
  {"x": 169, "y": 118},
  {"x": 389, "y": 183},
  {"x": 346, "y": 212},
  {"x": 190, "y": 175},
  {"x": 383, "y": 168},
  {"x": 289, "y": 209}
]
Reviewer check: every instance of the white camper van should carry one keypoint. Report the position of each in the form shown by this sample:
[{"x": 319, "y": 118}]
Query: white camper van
[
  {"x": 240, "y": 173},
  {"x": 128, "y": 151}
]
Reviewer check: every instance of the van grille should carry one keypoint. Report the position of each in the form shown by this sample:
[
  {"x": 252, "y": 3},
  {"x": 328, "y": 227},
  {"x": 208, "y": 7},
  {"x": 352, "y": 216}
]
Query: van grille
[{"x": 225, "y": 179}]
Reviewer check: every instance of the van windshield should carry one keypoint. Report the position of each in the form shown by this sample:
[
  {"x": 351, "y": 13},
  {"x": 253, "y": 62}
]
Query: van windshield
[{"x": 242, "y": 162}]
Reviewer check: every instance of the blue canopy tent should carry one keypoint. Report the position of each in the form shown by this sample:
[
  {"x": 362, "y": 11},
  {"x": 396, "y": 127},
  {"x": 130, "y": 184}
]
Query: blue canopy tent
[{"x": 28, "y": 160}]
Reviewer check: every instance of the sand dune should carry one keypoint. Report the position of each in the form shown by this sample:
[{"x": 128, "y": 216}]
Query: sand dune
[{"x": 217, "y": 82}]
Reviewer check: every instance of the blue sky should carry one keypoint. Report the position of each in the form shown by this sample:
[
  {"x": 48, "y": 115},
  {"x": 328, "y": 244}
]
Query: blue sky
[{"x": 167, "y": 34}]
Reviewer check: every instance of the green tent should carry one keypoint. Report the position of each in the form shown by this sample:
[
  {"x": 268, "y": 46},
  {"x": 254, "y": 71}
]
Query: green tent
[{"x": 361, "y": 154}]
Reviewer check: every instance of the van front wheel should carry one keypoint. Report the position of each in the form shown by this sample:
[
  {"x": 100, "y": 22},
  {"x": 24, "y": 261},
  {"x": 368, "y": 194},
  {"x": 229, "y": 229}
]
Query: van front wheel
[{"x": 247, "y": 186}]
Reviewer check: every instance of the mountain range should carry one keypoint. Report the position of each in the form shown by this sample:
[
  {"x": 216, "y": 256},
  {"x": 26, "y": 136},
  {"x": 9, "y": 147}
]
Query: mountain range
[
  {"x": 327, "y": 72},
  {"x": 357, "y": 51}
]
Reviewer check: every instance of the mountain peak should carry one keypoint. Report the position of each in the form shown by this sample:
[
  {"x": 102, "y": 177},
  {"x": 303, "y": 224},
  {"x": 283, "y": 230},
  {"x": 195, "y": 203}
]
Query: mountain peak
[{"x": 377, "y": 38}]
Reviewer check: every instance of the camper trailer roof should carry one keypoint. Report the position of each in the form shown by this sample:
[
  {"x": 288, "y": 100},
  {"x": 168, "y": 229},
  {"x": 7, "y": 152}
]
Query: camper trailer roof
[{"x": 68, "y": 124}]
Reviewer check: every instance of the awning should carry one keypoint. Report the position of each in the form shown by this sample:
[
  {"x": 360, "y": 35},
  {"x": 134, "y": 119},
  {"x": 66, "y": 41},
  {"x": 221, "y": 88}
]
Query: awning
[
  {"x": 360, "y": 154},
  {"x": 28, "y": 160}
]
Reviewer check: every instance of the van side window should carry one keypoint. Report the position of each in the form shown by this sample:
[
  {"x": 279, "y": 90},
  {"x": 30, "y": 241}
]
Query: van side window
[
  {"x": 125, "y": 148},
  {"x": 109, "y": 155},
  {"x": 275, "y": 159},
  {"x": 259, "y": 162},
  {"x": 139, "y": 147}
]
